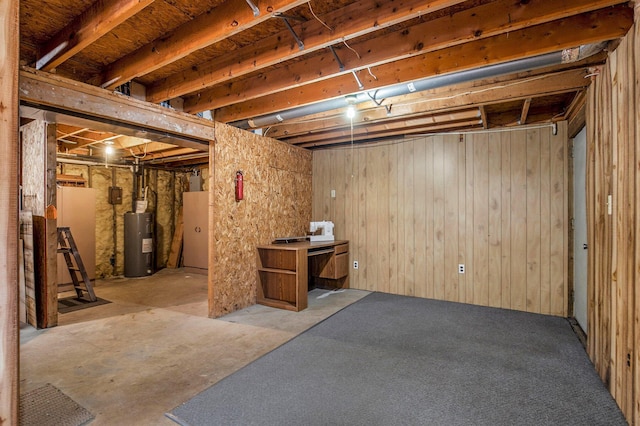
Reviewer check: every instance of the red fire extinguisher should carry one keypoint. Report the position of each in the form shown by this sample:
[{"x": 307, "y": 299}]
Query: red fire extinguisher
[{"x": 239, "y": 186}]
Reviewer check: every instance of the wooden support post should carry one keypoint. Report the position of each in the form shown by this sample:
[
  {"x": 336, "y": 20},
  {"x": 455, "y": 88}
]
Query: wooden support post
[{"x": 9, "y": 394}]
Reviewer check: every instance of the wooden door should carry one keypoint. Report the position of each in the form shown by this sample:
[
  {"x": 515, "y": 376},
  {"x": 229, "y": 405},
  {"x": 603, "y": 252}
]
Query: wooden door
[{"x": 196, "y": 229}]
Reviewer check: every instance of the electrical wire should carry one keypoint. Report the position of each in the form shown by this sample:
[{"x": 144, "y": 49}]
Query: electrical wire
[
  {"x": 316, "y": 16},
  {"x": 351, "y": 48},
  {"x": 140, "y": 157}
]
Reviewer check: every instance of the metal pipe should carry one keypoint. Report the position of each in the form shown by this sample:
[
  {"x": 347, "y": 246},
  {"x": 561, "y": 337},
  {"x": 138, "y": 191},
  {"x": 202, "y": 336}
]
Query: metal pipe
[{"x": 427, "y": 83}]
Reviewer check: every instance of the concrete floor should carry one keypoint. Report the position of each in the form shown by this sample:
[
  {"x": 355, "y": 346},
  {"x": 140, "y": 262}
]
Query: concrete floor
[{"x": 153, "y": 348}]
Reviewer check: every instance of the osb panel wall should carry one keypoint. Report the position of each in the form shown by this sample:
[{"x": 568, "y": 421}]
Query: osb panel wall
[
  {"x": 164, "y": 198},
  {"x": 415, "y": 210},
  {"x": 613, "y": 138},
  {"x": 277, "y": 203},
  {"x": 34, "y": 163}
]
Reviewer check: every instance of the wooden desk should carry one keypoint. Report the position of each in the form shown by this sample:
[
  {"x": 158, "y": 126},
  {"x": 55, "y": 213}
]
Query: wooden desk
[{"x": 284, "y": 271}]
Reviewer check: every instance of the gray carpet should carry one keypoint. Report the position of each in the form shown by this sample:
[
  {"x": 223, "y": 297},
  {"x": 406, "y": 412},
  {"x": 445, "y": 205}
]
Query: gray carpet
[{"x": 395, "y": 360}]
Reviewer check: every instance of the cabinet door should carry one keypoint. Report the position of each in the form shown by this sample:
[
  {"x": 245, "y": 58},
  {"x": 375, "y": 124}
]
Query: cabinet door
[{"x": 196, "y": 229}]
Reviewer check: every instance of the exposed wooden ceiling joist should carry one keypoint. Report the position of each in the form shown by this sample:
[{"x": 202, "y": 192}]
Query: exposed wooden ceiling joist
[
  {"x": 100, "y": 18},
  {"x": 439, "y": 100},
  {"x": 228, "y": 19},
  {"x": 352, "y": 21},
  {"x": 485, "y": 21},
  {"x": 550, "y": 37},
  {"x": 525, "y": 111},
  {"x": 217, "y": 56}
]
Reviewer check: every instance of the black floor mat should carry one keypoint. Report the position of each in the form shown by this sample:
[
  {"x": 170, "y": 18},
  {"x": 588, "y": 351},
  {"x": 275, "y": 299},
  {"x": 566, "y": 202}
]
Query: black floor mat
[{"x": 70, "y": 304}]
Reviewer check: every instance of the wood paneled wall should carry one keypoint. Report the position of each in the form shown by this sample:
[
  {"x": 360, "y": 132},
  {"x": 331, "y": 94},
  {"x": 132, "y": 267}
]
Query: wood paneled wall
[
  {"x": 277, "y": 203},
  {"x": 415, "y": 210},
  {"x": 613, "y": 169},
  {"x": 9, "y": 393}
]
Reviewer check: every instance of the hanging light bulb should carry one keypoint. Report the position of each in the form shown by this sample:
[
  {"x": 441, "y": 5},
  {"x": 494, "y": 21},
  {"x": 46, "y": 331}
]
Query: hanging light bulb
[
  {"x": 109, "y": 150},
  {"x": 351, "y": 109}
]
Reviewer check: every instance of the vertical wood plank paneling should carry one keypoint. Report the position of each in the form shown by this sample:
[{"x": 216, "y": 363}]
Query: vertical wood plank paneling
[
  {"x": 518, "y": 221},
  {"x": 533, "y": 221},
  {"x": 481, "y": 220},
  {"x": 469, "y": 218},
  {"x": 348, "y": 233},
  {"x": 613, "y": 140},
  {"x": 318, "y": 179},
  {"x": 382, "y": 218},
  {"x": 436, "y": 265},
  {"x": 372, "y": 222},
  {"x": 545, "y": 223},
  {"x": 402, "y": 211},
  {"x": 617, "y": 205},
  {"x": 448, "y": 288},
  {"x": 355, "y": 216},
  {"x": 423, "y": 167},
  {"x": 462, "y": 216},
  {"x": 363, "y": 169},
  {"x": 340, "y": 184},
  {"x": 505, "y": 220},
  {"x": 495, "y": 220},
  {"x": 419, "y": 208},
  {"x": 409, "y": 217},
  {"x": 393, "y": 162}
]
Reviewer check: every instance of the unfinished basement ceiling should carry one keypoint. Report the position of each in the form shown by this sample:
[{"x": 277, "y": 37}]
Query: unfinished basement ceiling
[{"x": 242, "y": 60}]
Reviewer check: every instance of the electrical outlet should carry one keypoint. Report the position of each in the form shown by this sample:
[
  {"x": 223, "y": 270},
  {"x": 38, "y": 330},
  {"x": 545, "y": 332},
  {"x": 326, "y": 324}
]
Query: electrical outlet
[
  {"x": 461, "y": 268},
  {"x": 355, "y": 264},
  {"x": 333, "y": 193}
]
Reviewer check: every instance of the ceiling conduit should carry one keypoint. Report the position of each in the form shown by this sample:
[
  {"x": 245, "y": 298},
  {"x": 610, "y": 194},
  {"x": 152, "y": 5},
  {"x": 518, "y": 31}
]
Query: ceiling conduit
[{"x": 549, "y": 59}]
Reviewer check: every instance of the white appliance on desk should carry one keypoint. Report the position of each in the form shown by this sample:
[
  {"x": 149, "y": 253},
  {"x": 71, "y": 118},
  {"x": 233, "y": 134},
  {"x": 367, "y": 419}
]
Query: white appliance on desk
[{"x": 326, "y": 231}]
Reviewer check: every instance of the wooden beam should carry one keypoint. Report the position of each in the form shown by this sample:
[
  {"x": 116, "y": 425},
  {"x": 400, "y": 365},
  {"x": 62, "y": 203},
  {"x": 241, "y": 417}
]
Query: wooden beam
[
  {"x": 125, "y": 115},
  {"x": 230, "y": 18},
  {"x": 471, "y": 94},
  {"x": 9, "y": 341},
  {"x": 525, "y": 111},
  {"x": 566, "y": 33},
  {"x": 390, "y": 126},
  {"x": 373, "y": 136},
  {"x": 363, "y": 120},
  {"x": 483, "y": 116},
  {"x": 351, "y": 21},
  {"x": 447, "y": 98},
  {"x": 473, "y": 24},
  {"x": 100, "y": 18},
  {"x": 167, "y": 154}
]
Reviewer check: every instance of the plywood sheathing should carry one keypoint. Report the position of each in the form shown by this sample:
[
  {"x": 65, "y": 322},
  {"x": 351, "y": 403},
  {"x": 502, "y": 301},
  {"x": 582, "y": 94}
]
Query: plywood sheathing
[{"x": 277, "y": 203}]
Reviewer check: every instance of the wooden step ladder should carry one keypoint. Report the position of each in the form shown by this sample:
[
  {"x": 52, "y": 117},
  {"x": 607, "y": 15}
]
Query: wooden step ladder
[{"x": 67, "y": 246}]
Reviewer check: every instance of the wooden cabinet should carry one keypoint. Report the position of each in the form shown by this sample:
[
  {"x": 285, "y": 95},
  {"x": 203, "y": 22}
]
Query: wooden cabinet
[
  {"x": 332, "y": 267},
  {"x": 77, "y": 210},
  {"x": 195, "y": 250},
  {"x": 284, "y": 270}
]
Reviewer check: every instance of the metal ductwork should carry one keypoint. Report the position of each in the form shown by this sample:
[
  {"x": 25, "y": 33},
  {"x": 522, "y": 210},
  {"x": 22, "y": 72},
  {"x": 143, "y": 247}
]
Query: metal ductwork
[{"x": 520, "y": 65}]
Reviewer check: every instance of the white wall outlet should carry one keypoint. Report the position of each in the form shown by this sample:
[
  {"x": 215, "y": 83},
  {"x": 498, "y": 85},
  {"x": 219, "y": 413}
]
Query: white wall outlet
[
  {"x": 355, "y": 264},
  {"x": 461, "y": 268},
  {"x": 333, "y": 193}
]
